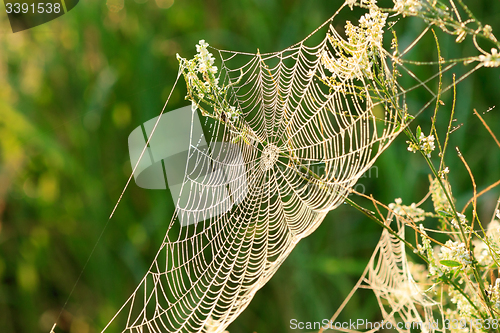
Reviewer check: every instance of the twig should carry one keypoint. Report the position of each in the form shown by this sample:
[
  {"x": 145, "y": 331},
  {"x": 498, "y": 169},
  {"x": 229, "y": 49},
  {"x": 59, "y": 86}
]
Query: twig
[{"x": 487, "y": 128}]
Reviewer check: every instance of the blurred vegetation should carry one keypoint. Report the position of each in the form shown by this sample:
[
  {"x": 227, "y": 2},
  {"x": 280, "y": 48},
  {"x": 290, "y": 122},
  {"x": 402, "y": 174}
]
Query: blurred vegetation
[{"x": 73, "y": 89}]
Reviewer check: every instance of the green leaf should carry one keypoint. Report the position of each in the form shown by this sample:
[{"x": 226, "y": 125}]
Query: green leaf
[
  {"x": 450, "y": 263},
  {"x": 419, "y": 131},
  {"x": 445, "y": 214}
]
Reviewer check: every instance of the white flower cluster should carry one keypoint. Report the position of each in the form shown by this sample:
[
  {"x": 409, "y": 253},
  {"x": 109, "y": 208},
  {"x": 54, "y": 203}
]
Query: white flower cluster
[
  {"x": 354, "y": 58},
  {"x": 463, "y": 221},
  {"x": 205, "y": 58},
  {"x": 350, "y": 3},
  {"x": 455, "y": 251},
  {"x": 347, "y": 67},
  {"x": 425, "y": 144},
  {"x": 426, "y": 243},
  {"x": 463, "y": 311},
  {"x": 482, "y": 251},
  {"x": 439, "y": 198},
  {"x": 407, "y": 7},
  {"x": 203, "y": 63},
  {"x": 490, "y": 60},
  {"x": 203, "y": 86},
  {"x": 494, "y": 293},
  {"x": 445, "y": 171},
  {"x": 372, "y": 26},
  {"x": 425, "y": 249},
  {"x": 412, "y": 212}
]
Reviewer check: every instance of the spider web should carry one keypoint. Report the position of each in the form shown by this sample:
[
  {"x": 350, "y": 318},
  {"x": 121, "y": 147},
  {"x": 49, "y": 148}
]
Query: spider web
[
  {"x": 249, "y": 197},
  {"x": 400, "y": 298},
  {"x": 404, "y": 304}
]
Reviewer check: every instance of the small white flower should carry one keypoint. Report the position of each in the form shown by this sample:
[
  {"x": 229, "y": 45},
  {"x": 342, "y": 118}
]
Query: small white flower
[
  {"x": 490, "y": 60},
  {"x": 350, "y": 3},
  {"x": 407, "y": 7},
  {"x": 201, "y": 46},
  {"x": 498, "y": 214},
  {"x": 427, "y": 144},
  {"x": 444, "y": 172}
]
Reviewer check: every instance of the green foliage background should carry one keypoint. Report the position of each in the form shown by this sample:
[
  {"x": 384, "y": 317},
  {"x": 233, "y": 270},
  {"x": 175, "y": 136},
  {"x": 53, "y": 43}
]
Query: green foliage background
[{"x": 73, "y": 89}]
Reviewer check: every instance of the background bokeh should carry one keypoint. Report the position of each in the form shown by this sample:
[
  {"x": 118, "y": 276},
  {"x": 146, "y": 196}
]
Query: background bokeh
[{"x": 73, "y": 89}]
